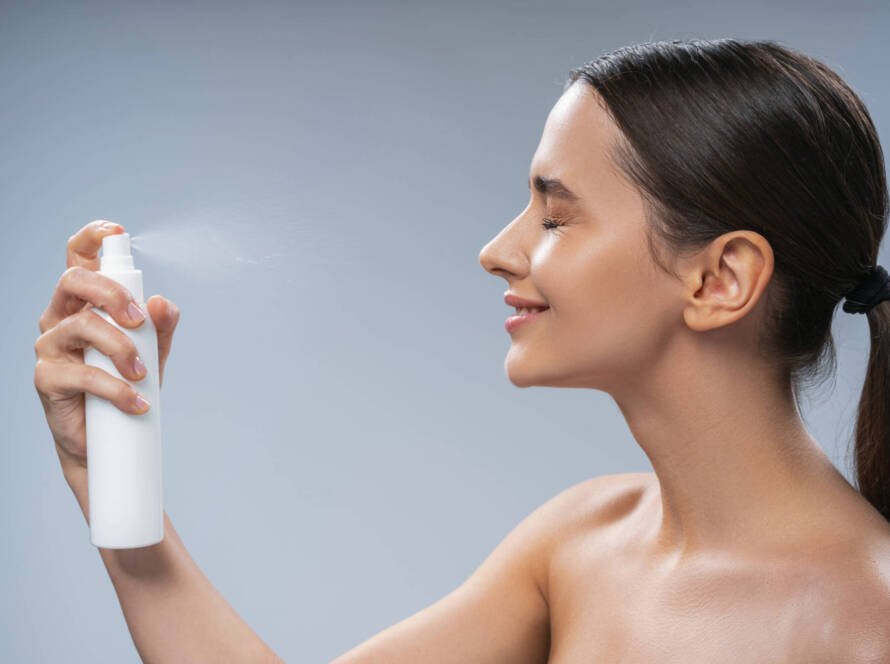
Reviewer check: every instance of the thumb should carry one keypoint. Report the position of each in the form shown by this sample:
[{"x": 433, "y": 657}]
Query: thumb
[{"x": 165, "y": 316}]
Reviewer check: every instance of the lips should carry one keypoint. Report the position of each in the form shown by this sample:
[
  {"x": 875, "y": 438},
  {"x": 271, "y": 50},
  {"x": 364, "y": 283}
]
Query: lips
[
  {"x": 516, "y": 320},
  {"x": 521, "y": 302}
]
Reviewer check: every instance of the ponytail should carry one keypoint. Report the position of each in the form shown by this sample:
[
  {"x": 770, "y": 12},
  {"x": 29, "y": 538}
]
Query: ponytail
[{"x": 872, "y": 442}]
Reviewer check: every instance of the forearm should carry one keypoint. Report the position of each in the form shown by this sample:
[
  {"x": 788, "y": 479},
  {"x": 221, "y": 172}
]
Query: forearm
[{"x": 173, "y": 612}]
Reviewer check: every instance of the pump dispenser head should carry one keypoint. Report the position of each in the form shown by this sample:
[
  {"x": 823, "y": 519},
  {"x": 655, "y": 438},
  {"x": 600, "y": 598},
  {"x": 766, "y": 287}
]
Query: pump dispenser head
[
  {"x": 116, "y": 252},
  {"x": 117, "y": 262}
]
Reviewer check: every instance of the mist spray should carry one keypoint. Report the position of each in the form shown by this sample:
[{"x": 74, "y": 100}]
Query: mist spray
[{"x": 123, "y": 449}]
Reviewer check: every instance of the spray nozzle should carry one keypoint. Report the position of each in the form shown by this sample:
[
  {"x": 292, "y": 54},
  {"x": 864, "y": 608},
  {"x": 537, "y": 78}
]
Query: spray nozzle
[
  {"x": 116, "y": 252},
  {"x": 117, "y": 262}
]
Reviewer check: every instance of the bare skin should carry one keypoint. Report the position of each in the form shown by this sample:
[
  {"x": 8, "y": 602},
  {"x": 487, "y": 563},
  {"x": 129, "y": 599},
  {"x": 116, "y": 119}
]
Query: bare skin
[
  {"x": 745, "y": 545},
  {"x": 613, "y": 598}
]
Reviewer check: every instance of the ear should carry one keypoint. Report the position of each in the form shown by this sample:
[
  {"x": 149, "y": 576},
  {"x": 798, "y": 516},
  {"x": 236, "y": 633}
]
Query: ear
[{"x": 726, "y": 279}]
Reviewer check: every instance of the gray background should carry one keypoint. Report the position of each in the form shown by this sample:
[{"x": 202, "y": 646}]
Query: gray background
[{"x": 312, "y": 186}]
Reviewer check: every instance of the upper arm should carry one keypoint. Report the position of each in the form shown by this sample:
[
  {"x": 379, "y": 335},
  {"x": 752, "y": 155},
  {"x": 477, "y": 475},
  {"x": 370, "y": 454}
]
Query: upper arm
[{"x": 499, "y": 615}]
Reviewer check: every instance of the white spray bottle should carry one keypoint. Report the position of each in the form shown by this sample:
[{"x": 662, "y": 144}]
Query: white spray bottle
[{"x": 123, "y": 449}]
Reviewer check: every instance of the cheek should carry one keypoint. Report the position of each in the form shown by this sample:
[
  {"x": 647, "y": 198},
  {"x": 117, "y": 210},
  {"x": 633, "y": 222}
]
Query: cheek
[
  {"x": 594, "y": 276},
  {"x": 606, "y": 299}
]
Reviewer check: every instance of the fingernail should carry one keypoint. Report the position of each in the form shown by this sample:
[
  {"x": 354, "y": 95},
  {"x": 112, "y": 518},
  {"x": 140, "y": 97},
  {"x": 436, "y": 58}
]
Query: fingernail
[
  {"x": 138, "y": 365},
  {"x": 134, "y": 312},
  {"x": 109, "y": 225},
  {"x": 140, "y": 402}
]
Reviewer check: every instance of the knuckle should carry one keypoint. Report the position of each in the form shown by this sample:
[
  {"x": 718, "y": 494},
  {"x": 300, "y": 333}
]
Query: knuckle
[
  {"x": 69, "y": 277},
  {"x": 72, "y": 273},
  {"x": 68, "y": 326},
  {"x": 90, "y": 377},
  {"x": 40, "y": 345},
  {"x": 82, "y": 320},
  {"x": 40, "y": 375},
  {"x": 45, "y": 377}
]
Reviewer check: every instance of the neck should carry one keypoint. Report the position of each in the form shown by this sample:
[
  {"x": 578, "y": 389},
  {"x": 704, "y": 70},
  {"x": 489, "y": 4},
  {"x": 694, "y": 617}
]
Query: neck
[{"x": 733, "y": 459}]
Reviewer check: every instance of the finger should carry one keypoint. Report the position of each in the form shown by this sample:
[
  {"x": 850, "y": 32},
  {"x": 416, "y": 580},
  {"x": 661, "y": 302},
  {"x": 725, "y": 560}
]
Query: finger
[
  {"x": 88, "y": 328},
  {"x": 61, "y": 380},
  {"x": 164, "y": 313},
  {"x": 165, "y": 316},
  {"x": 83, "y": 246},
  {"x": 79, "y": 286}
]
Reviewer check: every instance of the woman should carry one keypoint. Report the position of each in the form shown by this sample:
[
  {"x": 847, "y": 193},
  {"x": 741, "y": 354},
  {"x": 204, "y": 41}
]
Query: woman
[{"x": 698, "y": 209}]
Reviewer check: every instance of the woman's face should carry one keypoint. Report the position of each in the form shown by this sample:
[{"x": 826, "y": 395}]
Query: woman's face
[{"x": 610, "y": 307}]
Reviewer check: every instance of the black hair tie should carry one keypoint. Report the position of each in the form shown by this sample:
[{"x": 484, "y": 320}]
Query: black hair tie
[{"x": 872, "y": 289}]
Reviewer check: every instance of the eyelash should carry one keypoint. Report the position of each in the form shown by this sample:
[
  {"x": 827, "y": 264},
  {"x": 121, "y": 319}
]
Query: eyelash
[{"x": 550, "y": 223}]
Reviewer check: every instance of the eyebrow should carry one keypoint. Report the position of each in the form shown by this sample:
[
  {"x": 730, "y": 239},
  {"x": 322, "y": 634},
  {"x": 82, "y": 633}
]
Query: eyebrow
[{"x": 554, "y": 187}]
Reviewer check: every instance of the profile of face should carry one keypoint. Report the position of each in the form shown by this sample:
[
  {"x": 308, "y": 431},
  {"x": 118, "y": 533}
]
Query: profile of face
[{"x": 611, "y": 308}]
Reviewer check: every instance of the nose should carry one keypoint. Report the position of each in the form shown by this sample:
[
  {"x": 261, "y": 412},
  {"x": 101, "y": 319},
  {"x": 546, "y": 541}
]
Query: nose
[{"x": 502, "y": 257}]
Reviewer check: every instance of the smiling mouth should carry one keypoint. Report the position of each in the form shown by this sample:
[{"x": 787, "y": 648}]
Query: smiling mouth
[{"x": 523, "y": 316}]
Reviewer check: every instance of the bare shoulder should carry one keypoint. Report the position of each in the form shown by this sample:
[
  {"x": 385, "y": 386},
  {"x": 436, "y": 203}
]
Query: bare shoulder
[
  {"x": 599, "y": 499},
  {"x": 609, "y": 497},
  {"x": 603, "y": 489},
  {"x": 584, "y": 506},
  {"x": 846, "y": 604}
]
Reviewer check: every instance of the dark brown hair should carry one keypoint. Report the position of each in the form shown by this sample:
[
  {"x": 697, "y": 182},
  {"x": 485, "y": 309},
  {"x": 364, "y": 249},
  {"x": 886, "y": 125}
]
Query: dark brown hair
[{"x": 724, "y": 135}]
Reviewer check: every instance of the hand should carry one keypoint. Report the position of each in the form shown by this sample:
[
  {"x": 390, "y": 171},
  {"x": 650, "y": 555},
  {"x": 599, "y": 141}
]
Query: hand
[{"x": 68, "y": 325}]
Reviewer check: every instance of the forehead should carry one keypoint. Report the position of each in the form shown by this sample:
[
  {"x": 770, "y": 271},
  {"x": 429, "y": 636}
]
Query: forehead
[{"x": 575, "y": 142}]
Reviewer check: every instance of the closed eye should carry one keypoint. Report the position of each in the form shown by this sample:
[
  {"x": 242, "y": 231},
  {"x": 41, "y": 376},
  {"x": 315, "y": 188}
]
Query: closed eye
[{"x": 549, "y": 223}]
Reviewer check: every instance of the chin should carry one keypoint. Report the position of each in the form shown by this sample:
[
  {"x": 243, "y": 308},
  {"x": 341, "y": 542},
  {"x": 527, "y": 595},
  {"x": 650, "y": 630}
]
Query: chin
[
  {"x": 521, "y": 373},
  {"x": 521, "y": 383},
  {"x": 517, "y": 375}
]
